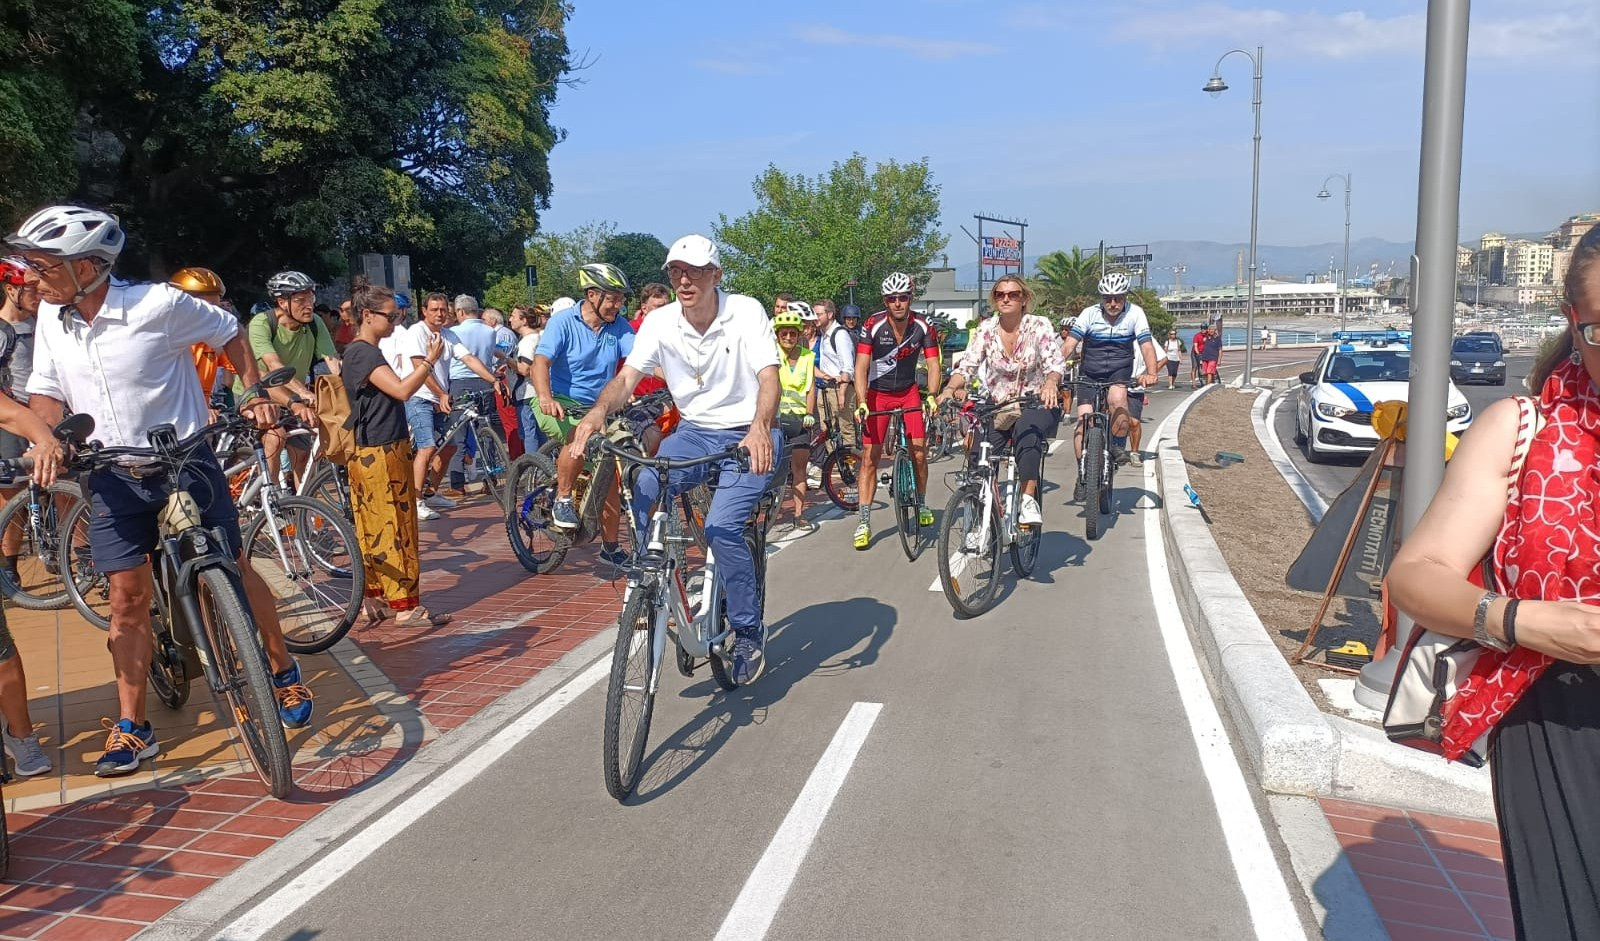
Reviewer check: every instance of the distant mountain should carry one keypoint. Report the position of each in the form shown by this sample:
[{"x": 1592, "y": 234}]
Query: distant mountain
[{"x": 1212, "y": 264}]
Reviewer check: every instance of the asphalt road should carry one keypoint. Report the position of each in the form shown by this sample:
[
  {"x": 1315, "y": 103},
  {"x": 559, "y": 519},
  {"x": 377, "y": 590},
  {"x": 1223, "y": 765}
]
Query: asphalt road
[
  {"x": 1030, "y": 774},
  {"x": 1331, "y": 479}
]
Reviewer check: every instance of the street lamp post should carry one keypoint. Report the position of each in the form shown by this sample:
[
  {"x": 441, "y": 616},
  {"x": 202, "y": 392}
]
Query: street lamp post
[
  {"x": 1216, "y": 86},
  {"x": 1344, "y": 273},
  {"x": 851, "y": 284}
]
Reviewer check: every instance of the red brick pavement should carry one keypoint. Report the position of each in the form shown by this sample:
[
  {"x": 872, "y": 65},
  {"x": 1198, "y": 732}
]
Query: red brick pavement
[
  {"x": 1431, "y": 878},
  {"x": 105, "y": 869}
]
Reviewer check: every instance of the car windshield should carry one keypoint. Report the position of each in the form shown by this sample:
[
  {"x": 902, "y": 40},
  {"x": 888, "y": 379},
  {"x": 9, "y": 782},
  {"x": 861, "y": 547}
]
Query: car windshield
[
  {"x": 1370, "y": 366},
  {"x": 1475, "y": 345}
]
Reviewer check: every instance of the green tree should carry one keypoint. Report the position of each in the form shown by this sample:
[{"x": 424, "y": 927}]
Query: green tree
[
  {"x": 558, "y": 256},
  {"x": 1160, "y": 321},
  {"x": 809, "y": 235},
  {"x": 639, "y": 255},
  {"x": 255, "y": 136}
]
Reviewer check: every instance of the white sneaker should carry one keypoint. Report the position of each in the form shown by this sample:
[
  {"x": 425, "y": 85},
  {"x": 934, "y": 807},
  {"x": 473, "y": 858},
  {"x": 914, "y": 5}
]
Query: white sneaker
[
  {"x": 1028, "y": 512},
  {"x": 27, "y": 755},
  {"x": 425, "y": 513},
  {"x": 440, "y": 502},
  {"x": 1135, "y": 458}
]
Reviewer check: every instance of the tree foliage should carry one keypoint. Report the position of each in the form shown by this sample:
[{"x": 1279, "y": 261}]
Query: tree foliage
[
  {"x": 558, "y": 256},
  {"x": 810, "y": 235},
  {"x": 639, "y": 255},
  {"x": 251, "y": 136}
]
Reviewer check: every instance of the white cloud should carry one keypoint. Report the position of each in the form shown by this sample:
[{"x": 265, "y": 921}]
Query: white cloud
[
  {"x": 917, "y": 46},
  {"x": 1533, "y": 28}
]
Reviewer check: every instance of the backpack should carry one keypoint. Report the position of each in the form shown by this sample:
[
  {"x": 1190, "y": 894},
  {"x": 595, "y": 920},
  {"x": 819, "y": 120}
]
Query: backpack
[{"x": 335, "y": 420}]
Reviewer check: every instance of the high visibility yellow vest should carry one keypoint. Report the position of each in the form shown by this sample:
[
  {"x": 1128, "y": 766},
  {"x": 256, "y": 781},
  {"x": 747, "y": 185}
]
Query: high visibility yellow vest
[{"x": 796, "y": 381}]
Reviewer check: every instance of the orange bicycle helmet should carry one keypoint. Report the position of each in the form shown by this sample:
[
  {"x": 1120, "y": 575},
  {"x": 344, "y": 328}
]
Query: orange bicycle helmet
[{"x": 199, "y": 281}]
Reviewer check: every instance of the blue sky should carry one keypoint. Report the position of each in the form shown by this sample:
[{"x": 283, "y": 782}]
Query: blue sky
[{"x": 1086, "y": 119}]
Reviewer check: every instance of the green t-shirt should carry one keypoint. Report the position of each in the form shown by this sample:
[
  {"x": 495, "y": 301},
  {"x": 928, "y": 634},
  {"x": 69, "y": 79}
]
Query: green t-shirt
[{"x": 299, "y": 349}]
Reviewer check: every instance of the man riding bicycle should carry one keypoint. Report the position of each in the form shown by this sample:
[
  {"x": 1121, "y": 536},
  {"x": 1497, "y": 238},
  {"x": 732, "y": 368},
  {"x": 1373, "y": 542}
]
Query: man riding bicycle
[
  {"x": 886, "y": 378},
  {"x": 577, "y": 355},
  {"x": 1111, "y": 333},
  {"x": 719, "y": 358},
  {"x": 121, "y": 353}
]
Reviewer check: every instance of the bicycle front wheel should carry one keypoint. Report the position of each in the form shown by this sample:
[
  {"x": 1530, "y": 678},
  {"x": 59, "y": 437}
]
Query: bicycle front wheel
[
  {"x": 530, "y": 524},
  {"x": 969, "y": 558},
  {"x": 1094, "y": 480},
  {"x": 905, "y": 506},
  {"x": 246, "y": 696},
  {"x": 493, "y": 463},
  {"x": 87, "y": 589},
  {"x": 36, "y": 582},
  {"x": 311, "y": 562},
  {"x": 629, "y": 701},
  {"x": 841, "y": 475}
]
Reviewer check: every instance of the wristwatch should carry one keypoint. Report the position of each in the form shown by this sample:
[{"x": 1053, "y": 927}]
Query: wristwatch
[{"x": 1480, "y": 629}]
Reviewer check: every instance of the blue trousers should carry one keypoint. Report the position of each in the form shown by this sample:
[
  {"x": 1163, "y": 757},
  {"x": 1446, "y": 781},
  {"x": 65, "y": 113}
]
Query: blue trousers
[
  {"x": 532, "y": 438},
  {"x": 736, "y": 495}
]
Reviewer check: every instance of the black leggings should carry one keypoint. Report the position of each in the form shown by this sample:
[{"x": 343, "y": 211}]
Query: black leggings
[{"x": 1029, "y": 437}]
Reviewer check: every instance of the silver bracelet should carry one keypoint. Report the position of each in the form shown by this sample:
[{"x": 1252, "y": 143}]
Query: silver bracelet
[{"x": 1480, "y": 629}]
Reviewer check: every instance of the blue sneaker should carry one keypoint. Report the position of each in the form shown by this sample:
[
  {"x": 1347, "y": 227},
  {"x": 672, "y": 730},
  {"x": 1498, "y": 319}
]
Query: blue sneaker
[
  {"x": 748, "y": 656},
  {"x": 564, "y": 514},
  {"x": 127, "y": 744},
  {"x": 616, "y": 555},
  {"x": 294, "y": 698}
]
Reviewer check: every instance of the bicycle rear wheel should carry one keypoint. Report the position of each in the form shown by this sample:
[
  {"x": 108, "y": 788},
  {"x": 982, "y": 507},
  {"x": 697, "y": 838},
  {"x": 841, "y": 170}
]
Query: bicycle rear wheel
[
  {"x": 629, "y": 701},
  {"x": 36, "y": 583},
  {"x": 969, "y": 560},
  {"x": 246, "y": 697},
  {"x": 492, "y": 462},
  {"x": 1094, "y": 477},
  {"x": 841, "y": 479},
  {"x": 87, "y": 589},
  {"x": 1025, "y": 549},
  {"x": 311, "y": 562},
  {"x": 905, "y": 506},
  {"x": 756, "y": 541},
  {"x": 329, "y": 484},
  {"x": 530, "y": 525}
]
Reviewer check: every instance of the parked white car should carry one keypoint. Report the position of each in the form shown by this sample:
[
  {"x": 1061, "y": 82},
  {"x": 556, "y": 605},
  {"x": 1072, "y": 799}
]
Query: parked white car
[{"x": 1333, "y": 409}]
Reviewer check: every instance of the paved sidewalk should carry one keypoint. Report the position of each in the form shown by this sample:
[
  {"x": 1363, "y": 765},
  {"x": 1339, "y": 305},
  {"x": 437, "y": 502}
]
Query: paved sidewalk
[
  {"x": 1431, "y": 878},
  {"x": 129, "y": 850}
]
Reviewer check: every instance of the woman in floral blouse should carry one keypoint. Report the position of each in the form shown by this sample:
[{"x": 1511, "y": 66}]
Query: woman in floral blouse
[{"x": 1012, "y": 354}]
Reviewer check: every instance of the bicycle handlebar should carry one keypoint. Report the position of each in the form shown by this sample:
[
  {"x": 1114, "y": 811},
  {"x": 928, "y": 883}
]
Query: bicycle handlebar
[{"x": 599, "y": 444}]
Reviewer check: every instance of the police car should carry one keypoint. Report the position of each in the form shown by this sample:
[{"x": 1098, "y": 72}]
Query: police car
[{"x": 1333, "y": 410}]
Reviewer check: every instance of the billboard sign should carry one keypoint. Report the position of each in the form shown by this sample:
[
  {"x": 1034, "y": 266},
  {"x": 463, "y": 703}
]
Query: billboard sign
[{"x": 1001, "y": 251}]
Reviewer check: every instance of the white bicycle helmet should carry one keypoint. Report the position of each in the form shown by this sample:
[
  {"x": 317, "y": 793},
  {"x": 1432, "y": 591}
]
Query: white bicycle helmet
[
  {"x": 897, "y": 283},
  {"x": 285, "y": 283},
  {"x": 1114, "y": 283},
  {"x": 802, "y": 310},
  {"x": 70, "y": 232}
]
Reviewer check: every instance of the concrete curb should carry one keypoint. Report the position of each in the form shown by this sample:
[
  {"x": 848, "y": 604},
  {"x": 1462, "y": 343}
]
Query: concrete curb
[
  {"x": 1298, "y": 482},
  {"x": 1289, "y": 741}
]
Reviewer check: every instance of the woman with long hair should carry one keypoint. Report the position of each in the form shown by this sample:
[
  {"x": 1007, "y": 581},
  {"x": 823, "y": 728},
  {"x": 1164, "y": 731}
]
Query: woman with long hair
[
  {"x": 382, "y": 486},
  {"x": 1538, "y": 534}
]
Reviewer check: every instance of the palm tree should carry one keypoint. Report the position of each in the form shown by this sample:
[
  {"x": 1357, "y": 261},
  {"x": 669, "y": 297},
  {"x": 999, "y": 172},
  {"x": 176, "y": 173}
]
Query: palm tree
[{"x": 1066, "y": 282}]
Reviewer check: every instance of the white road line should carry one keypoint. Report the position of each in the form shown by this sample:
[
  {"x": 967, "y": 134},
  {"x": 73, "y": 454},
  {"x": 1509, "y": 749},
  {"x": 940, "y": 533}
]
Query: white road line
[
  {"x": 1267, "y": 435},
  {"x": 769, "y": 882},
  {"x": 1266, "y": 894},
  {"x": 278, "y": 906}
]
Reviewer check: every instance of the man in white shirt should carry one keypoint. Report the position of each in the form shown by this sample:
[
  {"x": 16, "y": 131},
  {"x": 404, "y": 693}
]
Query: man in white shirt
[
  {"x": 122, "y": 354},
  {"x": 428, "y": 412},
  {"x": 836, "y": 356},
  {"x": 719, "y": 358}
]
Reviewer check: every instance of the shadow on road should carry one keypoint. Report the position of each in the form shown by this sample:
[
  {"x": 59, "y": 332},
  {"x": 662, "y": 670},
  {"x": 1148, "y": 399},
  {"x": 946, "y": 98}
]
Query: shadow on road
[{"x": 815, "y": 642}]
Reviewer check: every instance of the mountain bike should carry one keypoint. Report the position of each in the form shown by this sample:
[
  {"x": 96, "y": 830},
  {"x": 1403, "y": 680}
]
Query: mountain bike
[
  {"x": 666, "y": 595},
  {"x": 536, "y": 541},
  {"x": 902, "y": 481},
  {"x": 472, "y": 411},
  {"x": 199, "y": 616},
  {"x": 840, "y": 459},
  {"x": 34, "y": 515},
  {"x": 1097, "y": 469},
  {"x": 981, "y": 518}
]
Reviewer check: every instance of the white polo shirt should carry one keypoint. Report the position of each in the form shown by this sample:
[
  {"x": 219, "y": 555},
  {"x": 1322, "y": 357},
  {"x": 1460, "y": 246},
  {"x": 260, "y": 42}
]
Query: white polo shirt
[
  {"x": 712, "y": 376},
  {"x": 133, "y": 367},
  {"x": 415, "y": 343}
]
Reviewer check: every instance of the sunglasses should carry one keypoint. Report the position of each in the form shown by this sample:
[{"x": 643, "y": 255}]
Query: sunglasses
[
  {"x": 891, "y": 298},
  {"x": 392, "y": 318},
  {"x": 1112, "y": 298},
  {"x": 1007, "y": 295},
  {"x": 676, "y": 273}
]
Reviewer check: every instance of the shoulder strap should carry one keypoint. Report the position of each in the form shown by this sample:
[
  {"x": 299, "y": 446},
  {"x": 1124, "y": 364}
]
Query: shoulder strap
[{"x": 1529, "y": 422}]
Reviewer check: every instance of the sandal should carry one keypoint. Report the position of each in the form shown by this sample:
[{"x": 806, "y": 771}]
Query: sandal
[
  {"x": 420, "y": 617},
  {"x": 377, "y": 610}
]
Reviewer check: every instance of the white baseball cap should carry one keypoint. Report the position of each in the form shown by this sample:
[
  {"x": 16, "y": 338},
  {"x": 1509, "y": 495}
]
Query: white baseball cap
[
  {"x": 562, "y": 303},
  {"x": 696, "y": 251}
]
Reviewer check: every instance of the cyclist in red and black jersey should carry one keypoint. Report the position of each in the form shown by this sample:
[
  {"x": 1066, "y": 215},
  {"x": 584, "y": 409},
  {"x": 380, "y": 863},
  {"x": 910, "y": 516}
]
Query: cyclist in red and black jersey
[{"x": 886, "y": 378}]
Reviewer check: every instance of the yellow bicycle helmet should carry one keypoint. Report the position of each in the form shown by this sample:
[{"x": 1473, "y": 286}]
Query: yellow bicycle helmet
[
  {"x": 788, "y": 318},
  {"x": 199, "y": 281}
]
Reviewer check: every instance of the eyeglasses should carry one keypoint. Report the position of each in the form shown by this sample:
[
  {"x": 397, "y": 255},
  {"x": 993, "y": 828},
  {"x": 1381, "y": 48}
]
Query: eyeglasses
[
  {"x": 1007, "y": 295},
  {"x": 1590, "y": 332},
  {"x": 892, "y": 298},
  {"x": 683, "y": 272},
  {"x": 42, "y": 270}
]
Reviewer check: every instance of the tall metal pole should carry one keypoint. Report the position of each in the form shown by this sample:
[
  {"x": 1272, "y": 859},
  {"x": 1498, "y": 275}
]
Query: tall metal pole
[
  {"x": 1344, "y": 275},
  {"x": 1255, "y": 204},
  {"x": 1433, "y": 276}
]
